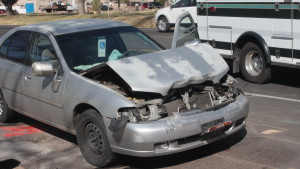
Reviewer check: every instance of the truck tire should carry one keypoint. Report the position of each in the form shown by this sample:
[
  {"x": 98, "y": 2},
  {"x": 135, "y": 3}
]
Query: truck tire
[
  {"x": 6, "y": 114},
  {"x": 163, "y": 24},
  {"x": 253, "y": 64},
  {"x": 92, "y": 139}
]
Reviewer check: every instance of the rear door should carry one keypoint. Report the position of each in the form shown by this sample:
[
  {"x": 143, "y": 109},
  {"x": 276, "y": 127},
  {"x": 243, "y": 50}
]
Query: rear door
[
  {"x": 282, "y": 36},
  {"x": 219, "y": 27},
  {"x": 296, "y": 32},
  {"x": 13, "y": 53}
]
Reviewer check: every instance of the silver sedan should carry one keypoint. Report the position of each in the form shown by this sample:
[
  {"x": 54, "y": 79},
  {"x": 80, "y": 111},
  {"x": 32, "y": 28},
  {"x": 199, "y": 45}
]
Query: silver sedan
[{"x": 118, "y": 90}]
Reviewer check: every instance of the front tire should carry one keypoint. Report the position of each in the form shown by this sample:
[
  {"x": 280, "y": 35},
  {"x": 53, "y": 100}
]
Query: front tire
[
  {"x": 163, "y": 24},
  {"x": 6, "y": 114},
  {"x": 92, "y": 139},
  {"x": 253, "y": 64}
]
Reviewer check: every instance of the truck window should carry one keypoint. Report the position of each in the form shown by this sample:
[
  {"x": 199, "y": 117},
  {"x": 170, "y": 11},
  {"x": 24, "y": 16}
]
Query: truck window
[{"x": 182, "y": 3}]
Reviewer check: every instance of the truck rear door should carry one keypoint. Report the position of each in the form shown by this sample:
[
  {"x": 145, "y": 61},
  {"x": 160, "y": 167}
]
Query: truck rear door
[
  {"x": 219, "y": 30},
  {"x": 296, "y": 32},
  {"x": 282, "y": 32}
]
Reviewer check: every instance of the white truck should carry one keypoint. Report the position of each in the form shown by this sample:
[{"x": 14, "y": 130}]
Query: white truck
[{"x": 255, "y": 34}]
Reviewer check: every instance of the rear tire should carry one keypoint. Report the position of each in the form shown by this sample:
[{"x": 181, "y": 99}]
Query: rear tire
[
  {"x": 6, "y": 114},
  {"x": 92, "y": 139},
  {"x": 253, "y": 64},
  {"x": 163, "y": 24}
]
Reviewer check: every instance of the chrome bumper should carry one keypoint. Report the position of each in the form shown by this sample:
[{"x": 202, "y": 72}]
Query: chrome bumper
[{"x": 178, "y": 133}]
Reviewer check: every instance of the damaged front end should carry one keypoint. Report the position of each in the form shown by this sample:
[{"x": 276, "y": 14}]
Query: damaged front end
[
  {"x": 203, "y": 97},
  {"x": 170, "y": 112},
  {"x": 152, "y": 106}
]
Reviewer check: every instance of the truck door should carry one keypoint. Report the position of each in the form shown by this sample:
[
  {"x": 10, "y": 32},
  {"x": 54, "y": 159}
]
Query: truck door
[
  {"x": 219, "y": 31},
  {"x": 282, "y": 35},
  {"x": 296, "y": 32}
]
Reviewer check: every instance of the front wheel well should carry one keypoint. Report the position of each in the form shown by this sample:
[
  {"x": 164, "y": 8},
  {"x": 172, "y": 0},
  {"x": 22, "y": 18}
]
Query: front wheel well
[
  {"x": 245, "y": 39},
  {"x": 160, "y": 16},
  {"x": 79, "y": 109},
  {"x": 242, "y": 41},
  {"x": 254, "y": 38}
]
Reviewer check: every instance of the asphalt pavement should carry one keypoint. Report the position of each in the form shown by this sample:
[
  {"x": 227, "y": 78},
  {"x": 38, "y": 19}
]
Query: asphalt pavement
[{"x": 270, "y": 140}]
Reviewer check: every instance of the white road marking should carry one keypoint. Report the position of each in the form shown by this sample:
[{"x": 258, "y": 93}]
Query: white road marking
[
  {"x": 255, "y": 124},
  {"x": 273, "y": 97},
  {"x": 241, "y": 161}
]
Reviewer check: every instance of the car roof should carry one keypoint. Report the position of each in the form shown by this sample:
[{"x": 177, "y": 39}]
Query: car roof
[{"x": 74, "y": 25}]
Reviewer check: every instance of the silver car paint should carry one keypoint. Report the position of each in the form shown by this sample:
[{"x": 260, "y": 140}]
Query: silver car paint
[
  {"x": 61, "y": 27},
  {"x": 139, "y": 139},
  {"x": 80, "y": 89},
  {"x": 174, "y": 68}
]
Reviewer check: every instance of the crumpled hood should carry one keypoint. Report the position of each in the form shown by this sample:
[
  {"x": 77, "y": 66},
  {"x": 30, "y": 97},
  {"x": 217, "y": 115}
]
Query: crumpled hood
[{"x": 158, "y": 72}]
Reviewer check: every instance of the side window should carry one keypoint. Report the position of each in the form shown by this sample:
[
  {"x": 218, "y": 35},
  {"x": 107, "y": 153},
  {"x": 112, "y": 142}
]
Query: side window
[
  {"x": 193, "y": 3},
  {"x": 182, "y": 3},
  {"x": 42, "y": 50},
  {"x": 18, "y": 46},
  {"x": 4, "y": 47}
]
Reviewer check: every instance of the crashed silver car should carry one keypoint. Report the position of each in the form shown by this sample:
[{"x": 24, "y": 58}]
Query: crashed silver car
[{"x": 118, "y": 90}]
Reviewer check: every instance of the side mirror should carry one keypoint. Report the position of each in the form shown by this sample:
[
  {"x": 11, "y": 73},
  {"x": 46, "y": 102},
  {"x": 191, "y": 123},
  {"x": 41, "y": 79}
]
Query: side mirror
[
  {"x": 46, "y": 69},
  {"x": 42, "y": 69}
]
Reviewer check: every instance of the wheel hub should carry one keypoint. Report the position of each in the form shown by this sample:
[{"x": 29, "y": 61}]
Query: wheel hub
[
  {"x": 254, "y": 63},
  {"x": 257, "y": 63},
  {"x": 94, "y": 138},
  {"x": 162, "y": 25}
]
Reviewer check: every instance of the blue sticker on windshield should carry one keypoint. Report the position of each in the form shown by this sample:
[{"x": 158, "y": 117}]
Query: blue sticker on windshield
[{"x": 101, "y": 46}]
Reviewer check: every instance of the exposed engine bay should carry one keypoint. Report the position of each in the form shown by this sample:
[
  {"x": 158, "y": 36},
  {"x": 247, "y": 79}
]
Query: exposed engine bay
[{"x": 153, "y": 106}]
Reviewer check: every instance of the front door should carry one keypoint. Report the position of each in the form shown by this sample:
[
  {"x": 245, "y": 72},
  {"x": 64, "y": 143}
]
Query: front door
[
  {"x": 41, "y": 100},
  {"x": 185, "y": 31}
]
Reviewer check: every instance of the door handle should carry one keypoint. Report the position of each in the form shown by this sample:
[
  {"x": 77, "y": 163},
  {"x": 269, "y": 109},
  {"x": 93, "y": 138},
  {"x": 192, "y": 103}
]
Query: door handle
[{"x": 27, "y": 77}]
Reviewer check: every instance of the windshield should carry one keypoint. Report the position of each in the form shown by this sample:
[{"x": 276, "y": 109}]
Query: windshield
[{"x": 85, "y": 50}]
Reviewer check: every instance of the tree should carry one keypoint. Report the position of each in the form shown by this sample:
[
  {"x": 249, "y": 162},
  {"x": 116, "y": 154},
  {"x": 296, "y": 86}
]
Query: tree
[
  {"x": 121, "y": 1},
  {"x": 96, "y": 4},
  {"x": 165, "y": 2},
  {"x": 81, "y": 7},
  {"x": 8, "y": 5}
]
